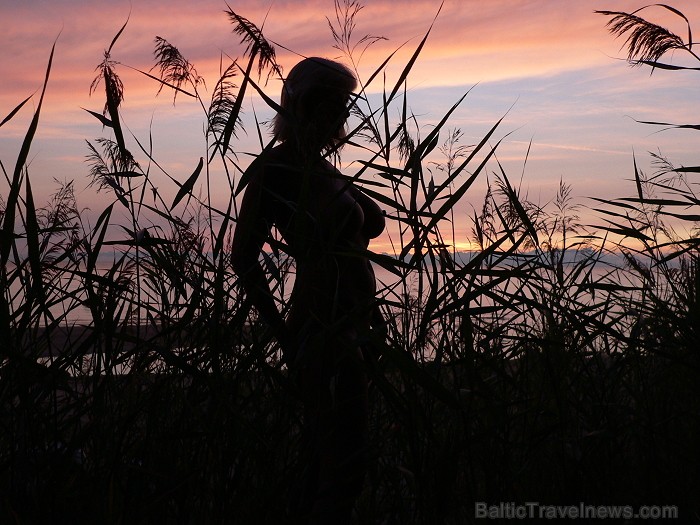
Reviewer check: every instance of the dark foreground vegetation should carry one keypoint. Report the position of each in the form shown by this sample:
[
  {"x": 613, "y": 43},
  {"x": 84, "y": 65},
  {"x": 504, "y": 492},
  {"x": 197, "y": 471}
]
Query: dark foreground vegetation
[{"x": 559, "y": 363}]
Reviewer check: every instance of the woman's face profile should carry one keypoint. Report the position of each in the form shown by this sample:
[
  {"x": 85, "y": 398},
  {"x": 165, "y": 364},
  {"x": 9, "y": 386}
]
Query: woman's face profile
[
  {"x": 327, "y": 111},
  {"x": 336, "y": 108}
]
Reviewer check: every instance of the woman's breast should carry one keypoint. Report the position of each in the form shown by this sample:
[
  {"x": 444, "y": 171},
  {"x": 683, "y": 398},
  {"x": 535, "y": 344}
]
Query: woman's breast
[{"x": 345, "y": 221}]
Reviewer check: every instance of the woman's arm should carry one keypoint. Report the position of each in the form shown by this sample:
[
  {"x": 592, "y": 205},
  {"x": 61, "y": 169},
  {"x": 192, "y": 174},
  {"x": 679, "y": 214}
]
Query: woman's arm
[{"x": 255, "y": 220}]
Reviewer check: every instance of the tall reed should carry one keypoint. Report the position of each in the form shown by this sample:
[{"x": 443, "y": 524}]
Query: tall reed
[{"x": 556, "y": 363}]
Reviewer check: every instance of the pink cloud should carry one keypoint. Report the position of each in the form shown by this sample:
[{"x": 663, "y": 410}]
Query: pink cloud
[
  {"x": 471, "y": 41},
  {"x": 484, "y": 41}
]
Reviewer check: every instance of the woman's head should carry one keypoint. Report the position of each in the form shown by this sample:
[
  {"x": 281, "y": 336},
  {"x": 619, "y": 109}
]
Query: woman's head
[{"x": 314, "y": 99}]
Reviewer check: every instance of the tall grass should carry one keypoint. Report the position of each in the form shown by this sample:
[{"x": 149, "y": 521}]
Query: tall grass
[{"x": 553, "y": 364}]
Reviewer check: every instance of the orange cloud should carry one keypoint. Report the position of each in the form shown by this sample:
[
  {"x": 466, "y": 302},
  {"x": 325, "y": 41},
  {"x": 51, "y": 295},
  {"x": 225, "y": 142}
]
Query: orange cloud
[{"x": 471, "y": 42}]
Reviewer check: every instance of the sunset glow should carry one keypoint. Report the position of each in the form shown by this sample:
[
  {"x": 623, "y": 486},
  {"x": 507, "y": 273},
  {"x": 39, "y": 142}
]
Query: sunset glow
[
  {"x": 349, "y": 261},
  {"x": 551, "y": 66}
]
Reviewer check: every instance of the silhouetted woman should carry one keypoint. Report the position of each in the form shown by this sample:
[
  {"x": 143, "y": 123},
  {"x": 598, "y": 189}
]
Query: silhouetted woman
[{"x": 326, "y": 223}]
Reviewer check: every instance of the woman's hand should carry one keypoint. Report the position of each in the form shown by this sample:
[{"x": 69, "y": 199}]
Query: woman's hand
[
  {"x": 378, "y": 324},
  {"x": 371, "y": 351},
  {"x": 289, "y": 344}
]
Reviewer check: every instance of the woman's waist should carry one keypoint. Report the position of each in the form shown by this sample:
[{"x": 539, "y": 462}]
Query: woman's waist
[
  {"x": 337, "y": 271},
  {"x": 336, "y": 315},
  {"x": 347, "y": 289},
  {"x": 335, "y": 292}
]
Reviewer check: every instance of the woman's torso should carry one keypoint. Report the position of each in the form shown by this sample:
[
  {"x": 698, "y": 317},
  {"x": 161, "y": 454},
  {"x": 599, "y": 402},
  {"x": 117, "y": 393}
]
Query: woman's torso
[{"x": 327, "y": 229}]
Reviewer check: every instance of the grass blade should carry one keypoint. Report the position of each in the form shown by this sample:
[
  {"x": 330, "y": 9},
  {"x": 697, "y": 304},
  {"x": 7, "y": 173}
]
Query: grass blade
[
  {"x": 186, "y": 188},
  {"x": 8, "y": 224},
  {"x": 14, "y": 111}
]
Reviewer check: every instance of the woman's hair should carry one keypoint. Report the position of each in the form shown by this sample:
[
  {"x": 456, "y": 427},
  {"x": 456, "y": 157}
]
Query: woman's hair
[{"x": 308, "y": 84}]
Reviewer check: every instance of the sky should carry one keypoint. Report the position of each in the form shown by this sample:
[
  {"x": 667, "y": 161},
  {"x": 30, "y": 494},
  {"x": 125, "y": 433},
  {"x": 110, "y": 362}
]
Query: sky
[{"x": 549, "y": 66}]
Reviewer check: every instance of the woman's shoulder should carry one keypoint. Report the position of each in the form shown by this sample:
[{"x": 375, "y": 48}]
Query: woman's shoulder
[
  {"x": 267, "y": 156},
  {"x": 278, "y": 160},
  {"x": 269, "y": 165},
  {"x": 273, "y": 173}
]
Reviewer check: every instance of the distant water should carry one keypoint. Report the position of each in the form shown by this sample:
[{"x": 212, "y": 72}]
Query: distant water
[
  {"x": 77, "y": 313},
  {"x": 80, "y": 313}
]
